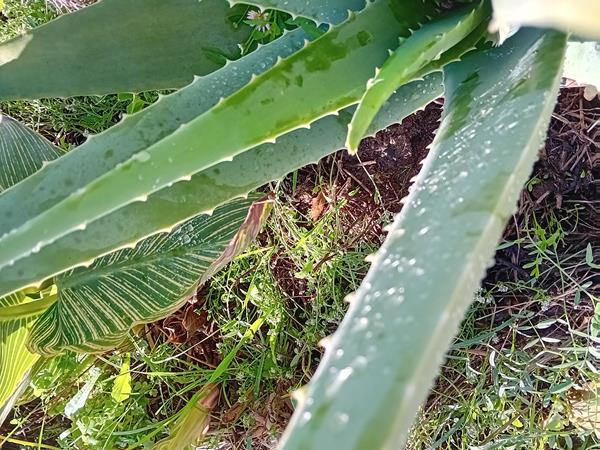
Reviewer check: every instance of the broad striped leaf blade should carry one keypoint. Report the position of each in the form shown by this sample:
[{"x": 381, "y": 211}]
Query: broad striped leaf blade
[
  {"x": 404, "y": 315},
  {"x": 291, "y": 95},
  {"x": 331, "y": 12},
  {"x": 208, "y": 189},
  {"x": 415, "y": 55},
  {"x": 15, "y": 359},
  {"x": 119, "y": 46},
  {"x": 97, "y": 306},
  {"x": 22, "y": 152}
]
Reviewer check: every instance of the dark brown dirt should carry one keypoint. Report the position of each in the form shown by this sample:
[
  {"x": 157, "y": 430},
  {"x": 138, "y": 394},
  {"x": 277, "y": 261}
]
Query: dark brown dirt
[
  {"x": 371, "y": 186},
  {"x": 565, "y": 190}
]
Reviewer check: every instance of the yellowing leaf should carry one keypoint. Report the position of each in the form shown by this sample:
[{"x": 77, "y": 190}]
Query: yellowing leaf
[
  {"x": 122, "y": 387},
  {"x": 192, "y": 425}
]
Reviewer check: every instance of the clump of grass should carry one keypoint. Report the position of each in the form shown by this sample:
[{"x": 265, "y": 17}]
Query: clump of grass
[{"x": 296, "y": 279}]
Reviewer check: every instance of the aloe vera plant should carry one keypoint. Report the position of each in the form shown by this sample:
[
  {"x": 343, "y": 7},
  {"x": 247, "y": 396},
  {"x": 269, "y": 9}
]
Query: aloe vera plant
[{"x": 85, "y": 236}]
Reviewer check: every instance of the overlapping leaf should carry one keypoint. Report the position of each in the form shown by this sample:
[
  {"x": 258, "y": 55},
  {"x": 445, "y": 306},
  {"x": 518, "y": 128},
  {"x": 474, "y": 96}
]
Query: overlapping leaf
[
  {"x": 98, "y": 305},
  {"x": 119, "y": 46},
  {"x": 425, "y": 50},
  {"x": 15, "y": 359},
  {"x": 22, "y": 152},
  {"x": 70, "y": 206},
  {"x": 404, "y": 315}
]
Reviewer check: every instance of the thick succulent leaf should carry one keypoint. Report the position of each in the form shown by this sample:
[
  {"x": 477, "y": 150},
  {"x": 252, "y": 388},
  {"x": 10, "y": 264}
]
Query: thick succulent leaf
[
  {"x": 15, "y": 359},
  {"x": 582, "y": 63},
  {"x": 404, "y": 315},
  {"x": 98, "y": 305},
  {"x": 22, "y": 152},
  {"x": 119, "y": 46},
  {"x": 295, "y": 92},
  {"x": 321, "y": 11},
  {"x": 136, "y": 132},
  {"x": 208, "y": 189},
  {"x": 411, "y": 58},
  {"x": 579, "y": 16}
]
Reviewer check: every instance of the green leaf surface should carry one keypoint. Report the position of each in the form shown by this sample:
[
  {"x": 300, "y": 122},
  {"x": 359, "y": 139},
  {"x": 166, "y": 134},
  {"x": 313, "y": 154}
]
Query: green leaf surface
[
  {"x": 208, "y": 189},
  {"x": 411, "y": 59},
  {"x": 321, "y": 11},
  {"x": 403, "y": 317},
  {"x": 291, "y": 95},
  {"x": 582, "y": 63},
  {"x": 121, "y": 390},
  {"x": 98, "y": 305},
  {"x": 22, "y": 152},
  {"x": 119, "y": 46}
]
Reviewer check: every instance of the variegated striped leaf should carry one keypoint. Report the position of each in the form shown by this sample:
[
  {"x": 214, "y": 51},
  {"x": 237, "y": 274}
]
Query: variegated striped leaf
[
  {"x": 15, "y": 359},
  {"x": 98, "y": 305},
  {"x": 22, "y": 152}
]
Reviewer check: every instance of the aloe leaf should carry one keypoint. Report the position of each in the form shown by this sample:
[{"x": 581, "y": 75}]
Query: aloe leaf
[
  {"x": 22, "y": 152},
  {"x": 208, "y": 189},
  {"x": 582, "y": 63},
  {"x": 331, "y": 11},
  {"x": 134, "y": 133},
  {"x": 581, "y": 16},
  {"x": 119, "y": 46},
  {"x": 404, "y": 315},
  {"x": 291, "y": 95},
  {"x": 97, "y": 306},
  {"x": 411, "y": 59}
]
